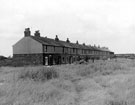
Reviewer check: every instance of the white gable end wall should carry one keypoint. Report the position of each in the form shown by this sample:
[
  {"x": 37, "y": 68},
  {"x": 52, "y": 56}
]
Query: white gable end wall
[{"x": 27, "y": 45}]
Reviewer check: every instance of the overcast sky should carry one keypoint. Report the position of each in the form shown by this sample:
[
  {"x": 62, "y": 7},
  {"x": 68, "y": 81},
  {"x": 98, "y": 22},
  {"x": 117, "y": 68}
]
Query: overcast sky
[{"x": 109, "y": 23}]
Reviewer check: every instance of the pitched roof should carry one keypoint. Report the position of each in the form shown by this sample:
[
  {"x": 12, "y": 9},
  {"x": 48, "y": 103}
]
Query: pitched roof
[
  {"x": 74, "y": 45},
  {"x": 65, "y": 44},
  {"x": 49, "y": 41},
  {"x": 105, "y": 49},
  {"x": 96, "y": 48},
  {"x": 46, "y": 41},
  {"x": 40, "y": 40}
]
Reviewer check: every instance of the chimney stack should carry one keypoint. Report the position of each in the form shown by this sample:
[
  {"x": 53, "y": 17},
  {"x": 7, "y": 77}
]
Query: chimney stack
[
  {"x": 77, "y": 42},
  {"x": 67, "y": 40},
  {"x": 83, "y": 44},
  {"x": 56, "y": 38},
  {"x": 27, "y": 32},
  {"x": 37, "y": 33}
]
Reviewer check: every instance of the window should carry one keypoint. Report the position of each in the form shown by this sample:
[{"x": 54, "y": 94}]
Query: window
[
  {"x": 54, "y": 48},
  {"x": 73, "y": 50},
  {"x": 76, "y": 51},
  {"x": 45, "y": 48},
  {"x": 63, "y": 59},
  {"x": 63, "y": 49}
]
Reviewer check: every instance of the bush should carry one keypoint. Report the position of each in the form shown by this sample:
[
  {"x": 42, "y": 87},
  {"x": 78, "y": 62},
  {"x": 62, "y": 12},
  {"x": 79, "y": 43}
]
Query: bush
[{"x": 39, "y": 74}]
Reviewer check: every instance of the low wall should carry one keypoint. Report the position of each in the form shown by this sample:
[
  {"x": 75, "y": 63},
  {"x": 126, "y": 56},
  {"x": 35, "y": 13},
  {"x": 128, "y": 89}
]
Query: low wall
[{"x": 27, "y": 59}]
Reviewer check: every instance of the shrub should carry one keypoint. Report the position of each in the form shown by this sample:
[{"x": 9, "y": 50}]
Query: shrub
[{"x": 39, "y": 74}]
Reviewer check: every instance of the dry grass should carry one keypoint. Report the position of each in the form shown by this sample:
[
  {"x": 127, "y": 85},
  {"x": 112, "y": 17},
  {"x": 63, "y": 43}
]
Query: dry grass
[
  {"x": 38, "y": 74},
  {"x": 99, "y": 83},
  {"x": 116, "y": 102}
]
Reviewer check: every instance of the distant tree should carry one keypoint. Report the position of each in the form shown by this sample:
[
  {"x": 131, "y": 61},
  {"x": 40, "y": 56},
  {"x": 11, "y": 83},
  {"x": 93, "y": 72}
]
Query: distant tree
[
  {"x": 9, "y": 57},
  {"x": 2, "y": 57}
]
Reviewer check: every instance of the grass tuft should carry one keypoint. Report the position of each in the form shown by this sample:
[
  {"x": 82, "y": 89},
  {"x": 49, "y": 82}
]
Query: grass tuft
[
  {"x": 117, "y": 102},
  {"x": 39, "y": 74}
]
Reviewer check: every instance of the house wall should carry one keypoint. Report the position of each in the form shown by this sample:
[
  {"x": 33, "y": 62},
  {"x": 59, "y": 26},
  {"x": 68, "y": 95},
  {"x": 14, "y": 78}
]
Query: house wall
[
  {"x": 28, "y": 51},
  {"x": 27, "y": 59},
  {"x": 71, "y": 50},
  {"x": 52, "y": 49},
  {"x": 66, "y": 51},
  {"x": 27, "y": 45},
  {"x": 58, "y": 50}
]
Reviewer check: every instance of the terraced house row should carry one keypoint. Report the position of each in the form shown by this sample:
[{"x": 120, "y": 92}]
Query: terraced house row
[{"x": 37, "y": 50}]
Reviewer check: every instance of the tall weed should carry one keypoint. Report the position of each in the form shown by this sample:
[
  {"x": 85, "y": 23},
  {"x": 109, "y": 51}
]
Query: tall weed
[{"x": 39, "y": 73}]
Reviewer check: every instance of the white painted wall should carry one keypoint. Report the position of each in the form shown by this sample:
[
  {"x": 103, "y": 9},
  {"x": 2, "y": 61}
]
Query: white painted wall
[{"x": 27, "y": 45}]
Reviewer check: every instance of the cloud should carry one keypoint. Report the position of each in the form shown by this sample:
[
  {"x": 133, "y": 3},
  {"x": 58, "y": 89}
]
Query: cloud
[{"x": 106, "y": 22}]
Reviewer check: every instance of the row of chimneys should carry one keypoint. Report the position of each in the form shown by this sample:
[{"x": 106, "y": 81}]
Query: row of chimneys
[{"x": 27, "y": 33}]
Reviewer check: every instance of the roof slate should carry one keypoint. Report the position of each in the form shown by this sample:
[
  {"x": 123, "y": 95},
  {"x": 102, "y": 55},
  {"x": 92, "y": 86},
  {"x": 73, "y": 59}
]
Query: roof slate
[{"x": 49, "y": 41}]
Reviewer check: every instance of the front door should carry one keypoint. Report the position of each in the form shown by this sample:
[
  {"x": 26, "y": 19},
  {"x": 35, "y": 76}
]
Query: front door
[
  {"x": 50, "y": 60},
  {"x": 46, "y": 60}
]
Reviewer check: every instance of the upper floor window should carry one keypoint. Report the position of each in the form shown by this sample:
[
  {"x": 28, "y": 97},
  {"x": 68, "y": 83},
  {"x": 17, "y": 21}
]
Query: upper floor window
[
  {"x": 54, "y": 48},
  {"x": 73, "y": 50},
  {"x": 63, "y": 49},
  {"x": 45, "y": 48}
]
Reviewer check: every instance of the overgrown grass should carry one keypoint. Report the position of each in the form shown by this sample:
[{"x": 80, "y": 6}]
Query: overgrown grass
[
  {"x": 39, "y": 73},
  {"x": 116, "y": 102},
  {"x": 68, "y": 84},
  {"x": 102, "y": 67}
]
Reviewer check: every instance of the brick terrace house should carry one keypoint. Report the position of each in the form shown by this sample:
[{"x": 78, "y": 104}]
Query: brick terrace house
[{"x": 37, "y": 50}]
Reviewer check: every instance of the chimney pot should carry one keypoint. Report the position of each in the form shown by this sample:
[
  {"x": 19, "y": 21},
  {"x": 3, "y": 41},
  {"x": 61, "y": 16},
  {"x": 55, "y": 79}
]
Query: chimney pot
[
  {"x": 27, "y": 32},
  {"x": 56, "y": 38},
  {"x": 83, "y": 44},
  {"x": 68, "y": 40},
  {"x": 77, "y": 42},
  {"x": 37, "y": 33}
]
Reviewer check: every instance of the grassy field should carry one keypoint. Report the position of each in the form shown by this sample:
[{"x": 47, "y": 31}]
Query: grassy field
[{"x": 109, "y": 82}]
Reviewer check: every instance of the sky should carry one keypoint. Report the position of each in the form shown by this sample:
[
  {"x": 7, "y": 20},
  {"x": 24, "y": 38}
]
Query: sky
[{"x": 109, "y": 23}]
